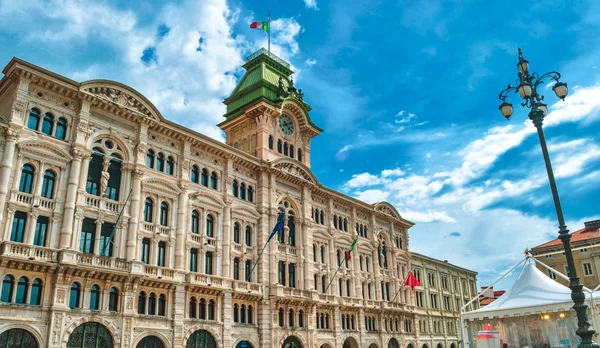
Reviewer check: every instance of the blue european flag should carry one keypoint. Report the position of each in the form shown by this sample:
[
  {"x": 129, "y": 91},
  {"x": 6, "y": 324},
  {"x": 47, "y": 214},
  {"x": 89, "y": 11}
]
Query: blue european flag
[{"x": 278, "y": 227}]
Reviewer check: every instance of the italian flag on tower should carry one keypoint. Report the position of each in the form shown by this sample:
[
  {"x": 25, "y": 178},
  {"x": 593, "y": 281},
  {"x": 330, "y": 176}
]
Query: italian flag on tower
[{"x": 264, "y": 26}]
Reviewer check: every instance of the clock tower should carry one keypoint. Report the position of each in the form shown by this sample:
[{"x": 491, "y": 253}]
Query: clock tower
[{"x": 266, "y": 115}]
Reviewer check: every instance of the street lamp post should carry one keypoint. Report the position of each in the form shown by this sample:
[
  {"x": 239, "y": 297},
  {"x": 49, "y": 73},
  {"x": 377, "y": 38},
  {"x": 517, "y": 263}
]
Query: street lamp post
[{"x": 527, "y": 85}]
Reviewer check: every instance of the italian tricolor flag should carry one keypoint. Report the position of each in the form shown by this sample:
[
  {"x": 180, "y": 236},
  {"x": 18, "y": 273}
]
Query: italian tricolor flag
[{"x": 260, "y": 26}]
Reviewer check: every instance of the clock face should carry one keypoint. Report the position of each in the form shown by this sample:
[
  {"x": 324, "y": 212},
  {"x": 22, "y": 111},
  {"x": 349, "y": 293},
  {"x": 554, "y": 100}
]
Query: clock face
[{"x": 286, "y": 124}]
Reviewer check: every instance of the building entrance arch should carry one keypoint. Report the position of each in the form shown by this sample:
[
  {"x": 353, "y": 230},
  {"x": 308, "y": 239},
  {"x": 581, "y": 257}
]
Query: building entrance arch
[
  {"x": 90, "y": 334},
  {"x": 201, "y": 339},
  {"x": 150, "y": 342},
  {"x": 350, "y": 342},
  {"x": 292, "y": 342},
  {"x": 17, "y": 338},
  {"x": 244, "y": 344},
  {"x": 393, "y": 343}
]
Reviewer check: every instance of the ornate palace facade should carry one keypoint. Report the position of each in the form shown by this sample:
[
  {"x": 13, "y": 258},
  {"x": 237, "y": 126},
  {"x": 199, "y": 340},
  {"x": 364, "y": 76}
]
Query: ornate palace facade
[{"x": 119, "y": 228}]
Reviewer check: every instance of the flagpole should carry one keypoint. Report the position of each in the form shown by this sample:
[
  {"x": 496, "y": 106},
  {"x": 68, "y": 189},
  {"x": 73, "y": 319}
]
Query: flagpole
[
  {"x": 340, "y": 265},
  {"x": 332, "y": 278},
  {"x": 263, "y": 250},
  {"x": 401, "y": 286},
  {"x": 269, "y": 34},
  {"x": 112, "y": 233}
]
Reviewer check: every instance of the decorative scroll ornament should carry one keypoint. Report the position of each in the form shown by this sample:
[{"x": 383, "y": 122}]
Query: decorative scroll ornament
[{"x": 290, "y": 91}]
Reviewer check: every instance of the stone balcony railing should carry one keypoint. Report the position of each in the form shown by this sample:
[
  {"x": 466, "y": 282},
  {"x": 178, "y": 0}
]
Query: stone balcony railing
[
  {"x": 29, "y": 252},
  {"x": 102, "y": 262},
  {"x": 350, "y": 301},
  {"x": 33, "y": 200},
  {"x": 101, "y": 203},
  {"x": 287, "y": 249},
  {"x": 201, "y": 239},
  {"x": 246, "y": 287},
  {"x": 208, "y": 280}
]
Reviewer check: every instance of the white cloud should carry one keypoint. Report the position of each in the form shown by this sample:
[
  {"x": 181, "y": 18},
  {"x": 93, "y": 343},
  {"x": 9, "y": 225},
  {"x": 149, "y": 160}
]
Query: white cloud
[
  {"x": 362, "y": 180},
  {"x": 311, "y": 62},
  {"x": 372, "y": 196},
  {"x": 426, "y": 216},
  {"x": 311, "y": 4},
  {"x": 404, "y": 117},
  {"x": 392, "y": 172},
  {"x": 343, "y": 153}
]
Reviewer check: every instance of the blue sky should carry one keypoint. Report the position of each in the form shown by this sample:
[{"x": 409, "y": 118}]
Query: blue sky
[{"x": 405, "y": 90}]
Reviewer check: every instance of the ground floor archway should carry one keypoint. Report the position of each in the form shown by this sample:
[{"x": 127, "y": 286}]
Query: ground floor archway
[
  {"x": 150, "y": 342},
  {"x": 90, "y": 335},
  {"x": 244, "y": 344},
  {"x": 292, "y": 342},
  {"x": 373, "y": 345},
  {"x": 452, "y": 345},
  {"x": 350, "y": 342},
  {"x": 410, "y": 345},
  {"x": 201, "y": 339},
  {"x": 17, "y": 338},
  {"x": 393, "y": 343},
  {"x": 439, "y": 345}
]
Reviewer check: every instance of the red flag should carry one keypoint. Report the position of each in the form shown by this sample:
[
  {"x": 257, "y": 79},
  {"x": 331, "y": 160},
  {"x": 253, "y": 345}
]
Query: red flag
[
  {"x": 412, "y": 281},
  {"x": 348, "y": 255}
]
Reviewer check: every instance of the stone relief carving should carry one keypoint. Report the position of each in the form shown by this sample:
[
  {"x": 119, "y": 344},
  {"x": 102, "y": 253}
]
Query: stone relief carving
[
  {"x": 54, "y": 99},
  {"x": 162, "y": 140},
  {"x": 294, "y": 170},
  {"x": 56, "y": 328},
  {"x": 60, "y": 296},
  {"x": 386, "y": 210},
  {"x": 19, "y": 105},
  {"x": 121, "y": 98}
]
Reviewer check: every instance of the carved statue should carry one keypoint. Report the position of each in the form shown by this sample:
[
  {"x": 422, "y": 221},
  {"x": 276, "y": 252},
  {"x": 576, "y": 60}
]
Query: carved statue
[
  {"x": 104, "y": 176},
  {"x": 300, "y": 95}
]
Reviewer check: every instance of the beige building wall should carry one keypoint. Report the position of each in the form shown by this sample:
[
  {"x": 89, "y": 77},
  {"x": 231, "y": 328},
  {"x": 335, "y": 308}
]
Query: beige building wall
[
  {"x": 587, "y": 262},
  {"x": 169, "y": 279}
]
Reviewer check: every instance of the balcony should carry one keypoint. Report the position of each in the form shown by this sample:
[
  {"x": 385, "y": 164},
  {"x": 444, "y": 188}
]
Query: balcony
[
  {"x": 371, "y": 303},
  {"x": 208, "y": 280},
  {"x": 350, "y": 301},
  {"x": 246, "y": 287},
  {"x": 102, "y": 262},
  {"x": 30, "y": 252},
  {"x": 159, "y": 272},
  {"x": 32, "y": 200},
  {"x": 326, "y": 298},
  {"x": 101, "y": 203},
  {"x": 286, "y": 249}
]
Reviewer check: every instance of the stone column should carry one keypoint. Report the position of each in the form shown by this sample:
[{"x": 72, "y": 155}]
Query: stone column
[
  {"x": 153, "y": 252},
  {"x": 6, "y": 167},
  {"x": 134, "y": 214},
  {"x": 97, "y": 247},
  {"x": 30, "y": 229},
  {"x": 226, "y": 310},
  {"x": 66, "y": 230},
  {"x": 333, "y": 265},
  {"x": 182, "y": 223},
  {"x": 226, "y": 242}
]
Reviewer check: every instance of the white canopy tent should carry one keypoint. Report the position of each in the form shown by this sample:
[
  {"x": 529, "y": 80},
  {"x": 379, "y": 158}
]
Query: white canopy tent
[{"x": 535, "y": 312}]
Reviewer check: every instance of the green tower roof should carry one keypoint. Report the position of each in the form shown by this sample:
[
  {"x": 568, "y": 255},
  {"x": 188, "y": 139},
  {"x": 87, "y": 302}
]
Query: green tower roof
[{"x": 268, "y": 79}]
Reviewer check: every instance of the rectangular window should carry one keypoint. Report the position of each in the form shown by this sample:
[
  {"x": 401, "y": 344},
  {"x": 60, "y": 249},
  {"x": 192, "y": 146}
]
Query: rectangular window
[
  {"x": 145, "y": 252},
  {"x": 587, "y": 269},
  {"x": 431, "y": 279},
  {"x": 433, "y": 301},
  {"x": 88, "y": 235},
  {"x": 208, "y": 269},
  {"x": 551, "y": 274},
  {"x": 193, "y": 260},
  {"x": 282, "y": 273},
  {"x": 236, "y": 268},
  {"x": 292, "y": 275},
  {"x": 18, "y": 227},
  {"x": 160, "y": 256},
  {"x": 248, "y": 268},
  {"x": 107, "y": 239},
  {"x": 41, "y": 229},
  {"x": 94, "y": 173}
]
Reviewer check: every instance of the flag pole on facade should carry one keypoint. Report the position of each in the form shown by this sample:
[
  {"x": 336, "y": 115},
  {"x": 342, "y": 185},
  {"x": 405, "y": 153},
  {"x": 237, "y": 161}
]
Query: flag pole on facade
[
  {"x": 347, "y": 257},
  {"x": 266, "y": 27},
  {"x": 269, "y": 34},
  {"x": 278, "y": 227},
  {"x": 411, "y": 281},
  {"x": 112, "y": 233}
]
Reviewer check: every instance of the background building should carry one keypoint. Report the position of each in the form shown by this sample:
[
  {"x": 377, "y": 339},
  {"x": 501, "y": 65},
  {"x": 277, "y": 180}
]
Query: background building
[
  {"x": 489, "y": 295},
  {"x": 123, "y": 229},
  {"x": 586, "y": 254}
]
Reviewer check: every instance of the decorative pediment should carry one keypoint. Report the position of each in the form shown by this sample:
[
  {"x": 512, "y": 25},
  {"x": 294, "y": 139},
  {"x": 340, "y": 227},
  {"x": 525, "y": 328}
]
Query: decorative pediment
[
  {"x": 295, "y": 169},
  {"x": 44, "y": 151},
  {"x": 122, "y": 96},
  {"x": 163, "y": 186},
  {"x": 207, "y": 198},
  {"x": 387, "y": 209},
  {"x": 240, "y": 210}
]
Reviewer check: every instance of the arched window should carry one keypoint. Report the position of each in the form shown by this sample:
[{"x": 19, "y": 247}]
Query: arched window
[
  {"x": 279, "y": 146},
  {"x": 291, "y": 317},
  {"x": 285, "y": 148},
  {"x": 61, "y": 129},
  {"x": 299, "y": 155},
  {"x": 142, "y": 303},
  {"x": 201, "y": 339},
  {"x": 195, "y": 223},
  {"x": 236, "y": 310},
  {"x": 195, "y": 174},
  {"x": 300, "y": 318},
  {"x": 367, "y": 263},
  {"x": 213, "y": 180},
  {"x": 242, "y": 191},
  {"x": 95, "y": 297},
  {"x": 314, "y": 253},
  {"x": 339, "y": 257},
  {"x": 292, "y": 229},
  {"x": 48, "y": 124},
  {"x": 340, "y": 287},
  {"x": 250, "y": 194},
  {"x": 90, "y": 334},
  {"x": 236, "y": 232},
  {"x": 170, "y": 169},
  {"x": 160, "y": 162},
  {"x": 164, "y": 214},
  {"x": 235, "y": 189},
  {"x": 33, "y": 121},
  {"x": 340, "y": 223},
  {"x": 204, "y": 177},
  {"x": 322, "y": 254},
  {"x": 17, "y": 338},
  {"x": 335, "y": 225},
  {"x": 113, "y": 299},
  {"x": 152, "y": 304},
  {"x": 247, "y": 268},
  {"x": 270, "y": 142},
  {"x": 248, "y": 236},
  {"x": 26, "y": 178},
  {"x": 36, "y": 292},
  {"x": 348, "y": 287},
  {"x": 280, "y": 317},
  {"x": 150, "y": 342},
  {"x": 150, "y": 158},
  {"x": 162, "y": 305},
  {"x": 345, "y": 225},
  {"x": 322, "y": 217},
  {"x": 292, "y": 154},
  {"x": 148, "y": 209},
  {"x": 75, "y": 295},
  {"x": 324, "y": 283},
  {"x": 211, "y": 310},
  {"x": 48, "y": 184},
  {"x": 209, "y": 225},
  {"x": 202, "y": 310},
  {"x": 8, "y": 284},
  {"x": 366, "y": 234},
  {"x": 243, "y": 314}
]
